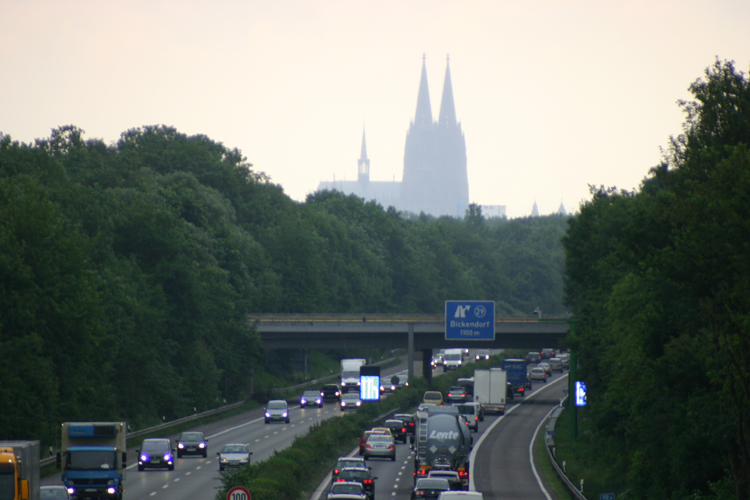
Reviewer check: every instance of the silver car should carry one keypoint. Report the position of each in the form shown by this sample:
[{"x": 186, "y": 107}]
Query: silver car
[
  {"x": 380, "y": 445},
  {"x": 537, "y": 373},
  {"x": 233, "y": 455},
  {"x": 347, "y": 490},
  {"x": 556, "y": 364},
  {"x": 350, "y": 401},
  {"x": 277, "y": 409}
]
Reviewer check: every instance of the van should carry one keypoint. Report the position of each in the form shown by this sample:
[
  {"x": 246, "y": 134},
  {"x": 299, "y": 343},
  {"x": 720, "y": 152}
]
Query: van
[
  {"x": 452, "y": 359},
  {"x": 433, "y": 397},
  {"x": 461, "y": 495}
]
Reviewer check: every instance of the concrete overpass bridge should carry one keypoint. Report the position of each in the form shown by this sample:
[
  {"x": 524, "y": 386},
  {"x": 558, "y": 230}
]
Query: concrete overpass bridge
[{"x": 400, "y": 331}]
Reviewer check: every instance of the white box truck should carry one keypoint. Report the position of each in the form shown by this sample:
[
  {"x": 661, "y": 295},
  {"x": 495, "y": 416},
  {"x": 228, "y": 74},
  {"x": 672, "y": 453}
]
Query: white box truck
[
  {"x": 19, "y": 470},
  {"x": 491, "y": 389},
  {"x": 350, "y": 374}
]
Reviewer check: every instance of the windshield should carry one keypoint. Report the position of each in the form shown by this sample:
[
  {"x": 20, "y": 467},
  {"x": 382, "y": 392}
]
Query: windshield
[
  {"x": 354, "y": 474},
  {"x": 155, "y": 446},
  {"x": 87, "y": 460},
  {"x": 452, "y": 357},
  {"x": 234, "y": 449},
  {"x": 433, "y": 483},
  {"x": 191, "y": 436},
  {"x": 352, "y": 489},
  {"x": 277, "y": 405},
  {"x": 311, "y": 394},
  {"x": 350, "y": 374}
]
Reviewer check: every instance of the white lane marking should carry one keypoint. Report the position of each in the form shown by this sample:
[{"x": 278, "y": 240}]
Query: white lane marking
[
  {"x": 152, "y": 493},
  {"x": 165, "y": 486},
  {"x": 198, "y": 467},
  {"x": 188, "y": 473},
  {"x": 176, "y": 479},
  {"x": 492, "y": 426},
  {"x": 531, "y": 453},
  {"x": 257, "y": 440}
]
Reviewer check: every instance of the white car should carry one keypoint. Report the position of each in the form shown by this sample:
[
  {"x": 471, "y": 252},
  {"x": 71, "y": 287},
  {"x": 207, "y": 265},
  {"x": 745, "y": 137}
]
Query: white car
[
  {"x": 347, "y": 490},
  {"x": 537, "y": 373},
  {"x": 461, "y": 495},
  {"x": 277, "y": 409},
  {"x": 350, "y": 401},
  {"x": 233, "y": 455}
]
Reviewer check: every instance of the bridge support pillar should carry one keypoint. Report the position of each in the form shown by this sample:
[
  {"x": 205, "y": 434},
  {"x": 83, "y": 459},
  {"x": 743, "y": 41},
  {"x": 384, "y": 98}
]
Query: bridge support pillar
[
  {"x": 410, "y": 351},
  {"x": 427, "y": 365}
]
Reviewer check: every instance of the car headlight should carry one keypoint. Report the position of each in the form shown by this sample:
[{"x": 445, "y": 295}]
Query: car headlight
[
  {"x": 285, "y": 414},
  {"x": 343, "y": 403},
  {"x": 359, "y": 403},
  {"x": 243, "y": 459},
  {"x": 317, "y": 401},
  {"x": 202, "y": 445},
  {"x": 144, "y": 457},
  {"x": 268, "y": 415},
  {"x": 180, "y": 445},
  {"x": 168, "y": 457},
  {"x": 303, "y": 401}
]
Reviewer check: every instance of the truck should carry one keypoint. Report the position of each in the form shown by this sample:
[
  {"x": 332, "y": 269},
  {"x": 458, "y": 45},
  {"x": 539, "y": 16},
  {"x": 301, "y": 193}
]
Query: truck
[
  {"x": 350, "y": 373},
  {"x": 93, "y": 456},
  {"x": 517, "y": 375},
  {"x": 442, "y": 441},
  {"x": 19, "y": 470},
  {"x": 491, "y": 389}
]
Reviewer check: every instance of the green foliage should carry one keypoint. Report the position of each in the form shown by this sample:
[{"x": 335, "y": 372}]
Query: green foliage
[{"x": 659, "y": 282}]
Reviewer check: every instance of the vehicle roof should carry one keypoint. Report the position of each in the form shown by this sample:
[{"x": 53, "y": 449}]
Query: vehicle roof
[
  {"x": 460, "y": 494},
  {"x": 537, "y": 369}
]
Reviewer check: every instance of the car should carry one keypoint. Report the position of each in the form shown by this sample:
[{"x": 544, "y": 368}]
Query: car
[
  {"x": 452, "y": 476},
  {"x": 452, "y": 359},
  {"x": 547, "y": 353},
  {"x": 398, "y": 429},
  {"x": 155, "y": 453},
  {"x": 433, "y": 397},
  {"x": 468, "y": 384},
  {"x": 192, "y": 443},
  {"x": 556, "y": 364},
  {"x": 383, "y": 430},
  {"x": 233, "y": 455},
  {"x": 363, "y": 439},
  {"x": 533, "y": 357},
  {"x": 346, "y": 462},
  {"x": 403, "y": 379},
  {"x": 427, "y": 487},
  {"x": 408, "y": 419},
  {"x": 310, "y": 398},
  {"x": 388, "y": 387},
  {"x": 565, "y": 358},
  {"x": 346, "y": 490},
  {"x": 362, "y": 475},
  {"x": 461, "y": 495},
  {"x": 482, "y": 355},
  {"x": 277, "y": 409},
  {"x": 436, "y": 361},
  {"x": 537, "y": 373},
  {"x": 330, "y": 392},
  {"x": 547, "y": 368},
  {"x": 350, "y": 401},
  {"x": 457, "y": 394},
  {"x": 57, "y": 492},
  {"x": 381, "y": 446},
  {"x": 470, "y": 411}
]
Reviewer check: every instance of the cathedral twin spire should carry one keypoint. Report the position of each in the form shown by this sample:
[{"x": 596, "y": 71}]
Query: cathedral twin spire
[{"x": 447, "y": 115}]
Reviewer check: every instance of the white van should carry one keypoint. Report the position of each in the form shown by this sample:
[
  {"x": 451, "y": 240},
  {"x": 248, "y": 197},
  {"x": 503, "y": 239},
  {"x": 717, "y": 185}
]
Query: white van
[
  {"x": 460, "y": 495},
  {"x": 452, "y": 359}
]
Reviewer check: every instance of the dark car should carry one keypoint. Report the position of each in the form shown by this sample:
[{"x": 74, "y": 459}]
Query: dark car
[
  {"x": 482, "y": 355},
  {"x": 398, "y": 429},
  {"x": 361, "y": 475},
  {"x": 192, "y": 443},
  {"x": 408, "y": 419},
  {"x": 310, "y": 398},
  {"x": 533, "y": 357},
  {"x": 156, "y": 453},
  {"x": 330, "y": 392},
  {"x": 548, "y": 353},
  {"x": 343, "y": 462},
  {"x": 427, "y": 487}
]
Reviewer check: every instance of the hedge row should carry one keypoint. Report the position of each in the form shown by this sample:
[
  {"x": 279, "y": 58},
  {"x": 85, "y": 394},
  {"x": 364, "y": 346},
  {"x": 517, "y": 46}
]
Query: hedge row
[{"x": 292, "y": 473}]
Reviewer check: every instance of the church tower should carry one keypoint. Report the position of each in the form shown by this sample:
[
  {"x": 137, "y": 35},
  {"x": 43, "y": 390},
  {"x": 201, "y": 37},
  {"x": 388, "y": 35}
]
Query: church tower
[
  {"x": 435, "y": 179},
  {"x": 363, "y": 164}
]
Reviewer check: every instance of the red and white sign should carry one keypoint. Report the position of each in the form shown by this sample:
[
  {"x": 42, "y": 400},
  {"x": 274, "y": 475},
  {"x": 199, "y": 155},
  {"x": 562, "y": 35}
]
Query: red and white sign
[{"x": 238, "y": 493}]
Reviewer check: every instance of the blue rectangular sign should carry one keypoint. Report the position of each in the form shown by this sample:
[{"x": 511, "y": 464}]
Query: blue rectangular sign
[
  {"x": 469, "y": 320},
  {"x": 369, "y": 387}
]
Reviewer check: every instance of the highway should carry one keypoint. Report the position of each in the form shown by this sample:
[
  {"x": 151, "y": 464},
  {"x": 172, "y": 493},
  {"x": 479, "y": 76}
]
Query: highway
[{"x": 502, "y": 466}]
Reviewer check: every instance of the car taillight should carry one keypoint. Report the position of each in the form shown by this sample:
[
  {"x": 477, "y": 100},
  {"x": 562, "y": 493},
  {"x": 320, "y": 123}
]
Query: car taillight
[
  {"x": 367, "y": 481},
  {"x": 368, "y": 446},
  {"x": 476, "y": 417},
  {"x": 335, "y": 471},
  {"x": 403, "y": 430},
  {"x": 390, "y": 447},
  {"x": 339, "y": 480},
  {"x": 462, "y": 474},
  {"x": 419, "y": 493}
]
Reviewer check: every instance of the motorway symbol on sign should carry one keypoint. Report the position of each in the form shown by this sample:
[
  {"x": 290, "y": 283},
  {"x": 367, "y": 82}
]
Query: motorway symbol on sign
[
  {"x": 469, "y": 320},
  {"x": 238, "y": 493}
]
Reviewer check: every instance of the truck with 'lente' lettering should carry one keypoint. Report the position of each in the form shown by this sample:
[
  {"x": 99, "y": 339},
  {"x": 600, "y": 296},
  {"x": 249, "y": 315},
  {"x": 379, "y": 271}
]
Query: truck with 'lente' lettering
[
  {"x": 93, "y": 458},
  {"x": 442, "y": 441},
  {"x": 19, "y": 470}
]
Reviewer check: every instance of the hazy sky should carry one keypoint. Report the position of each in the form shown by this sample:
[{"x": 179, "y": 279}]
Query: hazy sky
[{"x": 552, "y": 95}]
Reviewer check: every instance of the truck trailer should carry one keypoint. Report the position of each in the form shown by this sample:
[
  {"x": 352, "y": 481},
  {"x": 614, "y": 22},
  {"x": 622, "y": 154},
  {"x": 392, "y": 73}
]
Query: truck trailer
[
  {"x": 19, "y": 470},
  {"x": 491, "y": 389},
  {"x": 350, "y": 373},
  {"x": 442, "y": 441},
  {"x": 517, "y": 375},
  {"x": 92, "y": 459}
]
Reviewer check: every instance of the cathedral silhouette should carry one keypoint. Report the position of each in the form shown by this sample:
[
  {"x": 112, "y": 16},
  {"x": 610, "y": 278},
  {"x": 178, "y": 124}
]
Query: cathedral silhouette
[{"x": 435, "y": 179}]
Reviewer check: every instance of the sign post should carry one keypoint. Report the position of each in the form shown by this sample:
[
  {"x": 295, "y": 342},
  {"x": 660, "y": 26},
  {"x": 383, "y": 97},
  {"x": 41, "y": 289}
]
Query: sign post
[
  {"x": 238, "y": 493},
  {"x": 469, "y": 320}
]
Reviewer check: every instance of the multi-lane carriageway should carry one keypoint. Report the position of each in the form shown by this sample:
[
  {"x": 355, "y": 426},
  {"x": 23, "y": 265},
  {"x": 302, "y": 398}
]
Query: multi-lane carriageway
[{"x": 501, "y": 465}]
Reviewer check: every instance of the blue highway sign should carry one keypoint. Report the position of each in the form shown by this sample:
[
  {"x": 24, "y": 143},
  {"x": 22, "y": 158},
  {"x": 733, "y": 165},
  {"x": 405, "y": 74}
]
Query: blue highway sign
[{"x": 469, "y": 320}]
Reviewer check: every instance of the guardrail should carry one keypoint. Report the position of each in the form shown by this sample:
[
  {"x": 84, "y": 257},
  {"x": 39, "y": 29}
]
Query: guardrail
[{"x": 549, "y": 441}]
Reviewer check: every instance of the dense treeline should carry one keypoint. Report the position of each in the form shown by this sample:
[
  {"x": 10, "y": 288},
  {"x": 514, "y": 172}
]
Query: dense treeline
[
  {"x": 127, "y": 271},
  {"x": 659, "y": 281}
]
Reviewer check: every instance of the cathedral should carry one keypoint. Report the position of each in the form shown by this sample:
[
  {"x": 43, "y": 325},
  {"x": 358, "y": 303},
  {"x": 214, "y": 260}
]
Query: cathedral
[{"x": 435, "y": 179}]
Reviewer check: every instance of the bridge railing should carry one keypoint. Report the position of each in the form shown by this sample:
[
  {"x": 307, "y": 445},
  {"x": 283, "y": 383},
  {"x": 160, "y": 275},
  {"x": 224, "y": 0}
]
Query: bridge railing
[{"x": 385, "y": 318}]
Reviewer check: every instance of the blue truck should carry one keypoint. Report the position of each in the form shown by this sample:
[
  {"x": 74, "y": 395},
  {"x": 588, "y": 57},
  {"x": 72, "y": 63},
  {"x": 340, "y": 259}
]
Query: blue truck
[
  {"x": 93, "y": 458},
  {"x": 517, "y": 375}
]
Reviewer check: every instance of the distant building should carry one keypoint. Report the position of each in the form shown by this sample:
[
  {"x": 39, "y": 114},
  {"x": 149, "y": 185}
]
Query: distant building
[
  {"x": 535, "y": 210},
  {"x": 435, "y": 178}
]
